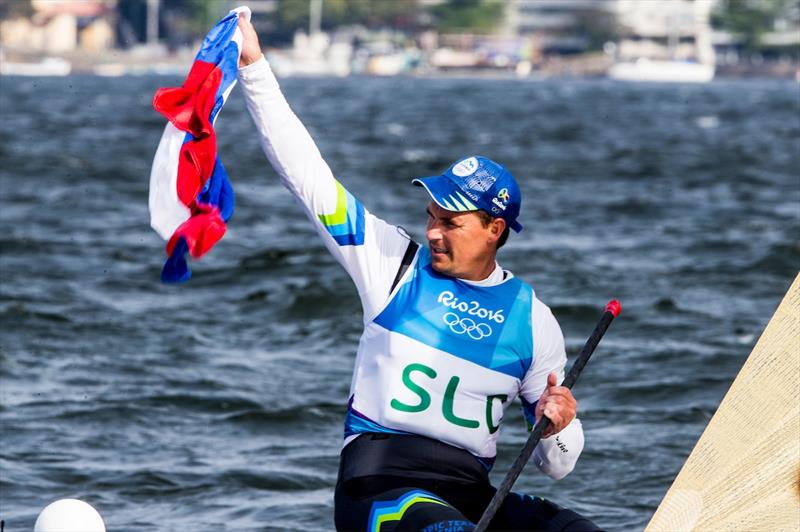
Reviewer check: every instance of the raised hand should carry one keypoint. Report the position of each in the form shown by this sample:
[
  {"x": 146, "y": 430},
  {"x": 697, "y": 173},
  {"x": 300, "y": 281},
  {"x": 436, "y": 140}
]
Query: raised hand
[{"x": 251, "y": 49}]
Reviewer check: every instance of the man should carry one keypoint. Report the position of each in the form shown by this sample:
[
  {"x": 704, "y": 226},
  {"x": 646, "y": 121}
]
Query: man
[{"x": 450, "y": 339}]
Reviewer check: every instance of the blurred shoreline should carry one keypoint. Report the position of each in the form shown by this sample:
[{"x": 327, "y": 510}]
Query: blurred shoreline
[
  {"x": 627, "y": 40},
  {"x": 147, "y": 60}
]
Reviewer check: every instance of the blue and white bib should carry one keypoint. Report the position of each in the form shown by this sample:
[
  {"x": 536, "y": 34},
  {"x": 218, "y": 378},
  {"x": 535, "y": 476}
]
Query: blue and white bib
[{"x": 443, "y": 359}]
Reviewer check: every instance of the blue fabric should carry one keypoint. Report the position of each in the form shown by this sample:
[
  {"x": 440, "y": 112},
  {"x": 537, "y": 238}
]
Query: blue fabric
[
  {"x": 176, "y": 269},
  {"x": 216, "y": 41},
  {"x": 529, "y": 411},
  {"x": 229, "y": 67},
  {"x": 395, "y": 509},
  {"x": 218, "y": 191},
  {"x": 463, "y": 319},
  {"x": 219, "y": 48},
  {"x": 351, "y": 232},
  {"x": 355, "y": 423}
]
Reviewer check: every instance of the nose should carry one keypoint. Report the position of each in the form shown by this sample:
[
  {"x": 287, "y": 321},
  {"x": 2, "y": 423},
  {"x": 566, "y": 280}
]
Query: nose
[{"x": 433, "y": 232}]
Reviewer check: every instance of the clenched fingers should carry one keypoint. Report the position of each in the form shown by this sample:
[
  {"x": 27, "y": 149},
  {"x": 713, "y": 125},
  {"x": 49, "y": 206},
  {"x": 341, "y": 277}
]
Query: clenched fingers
[{"x": 558, "y": 404}]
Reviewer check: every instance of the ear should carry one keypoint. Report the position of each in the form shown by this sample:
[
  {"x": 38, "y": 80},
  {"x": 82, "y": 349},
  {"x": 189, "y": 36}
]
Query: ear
[{"x": 496, "y": 229}]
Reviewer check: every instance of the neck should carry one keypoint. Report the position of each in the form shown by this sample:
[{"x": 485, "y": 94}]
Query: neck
[{"x": 481, "y": 271}]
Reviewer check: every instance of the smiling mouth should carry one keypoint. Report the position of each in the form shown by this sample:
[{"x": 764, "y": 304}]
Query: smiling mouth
[{"x": 438, "y": 250}]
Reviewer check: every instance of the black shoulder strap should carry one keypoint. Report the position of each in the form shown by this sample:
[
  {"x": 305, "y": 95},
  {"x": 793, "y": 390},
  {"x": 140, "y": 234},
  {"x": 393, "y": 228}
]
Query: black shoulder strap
[{"x": 411, "y": 250}]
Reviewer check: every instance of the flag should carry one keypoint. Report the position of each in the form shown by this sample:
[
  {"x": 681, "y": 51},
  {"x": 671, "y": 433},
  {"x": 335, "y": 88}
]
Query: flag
[{"x": 191, "y": 198}]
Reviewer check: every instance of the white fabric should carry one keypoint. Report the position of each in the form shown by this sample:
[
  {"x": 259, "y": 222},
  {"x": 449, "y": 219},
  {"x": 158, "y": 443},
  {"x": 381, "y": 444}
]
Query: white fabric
[{"x": 167, "y": 211}]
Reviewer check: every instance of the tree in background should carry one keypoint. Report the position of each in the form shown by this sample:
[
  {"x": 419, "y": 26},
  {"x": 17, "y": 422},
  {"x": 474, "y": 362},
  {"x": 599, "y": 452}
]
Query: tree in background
[
  {"x": 472, "y": 16},
  {"x": 293, "y": 15},
  {"x": 598, "y": 26},
  {"x": 181, "y": 22},
  {"x": 10, "y": 9},
  {"x": 132, "y": 22},
  {"x": 201, "y": 14},
  {"x": 751, "y": 19},
  {"x": 186, "y": 21}
]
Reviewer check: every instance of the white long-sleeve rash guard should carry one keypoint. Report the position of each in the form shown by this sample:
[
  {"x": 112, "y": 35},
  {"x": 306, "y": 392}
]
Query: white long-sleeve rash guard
[{"x": 371, "y": 250}]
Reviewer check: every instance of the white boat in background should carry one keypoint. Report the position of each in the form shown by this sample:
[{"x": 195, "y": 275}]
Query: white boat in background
[
  {"x": 50, "y": 66},
  {"x": 314, "y": 56},
  {"x": 667, "y": 43},
  {"x": 657, "y": 70},
  {"x": 390, "y": 64}
]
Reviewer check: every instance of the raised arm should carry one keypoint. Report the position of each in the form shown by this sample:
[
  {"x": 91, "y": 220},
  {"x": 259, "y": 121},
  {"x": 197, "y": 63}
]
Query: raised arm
[{"x": 368, "y": 248}]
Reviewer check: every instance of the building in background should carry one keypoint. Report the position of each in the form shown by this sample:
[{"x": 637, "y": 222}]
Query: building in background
[
  {"x": 41, "y": 37},
  {"x": 561, "y": 27},
  {"x": 61, "y": 26}
]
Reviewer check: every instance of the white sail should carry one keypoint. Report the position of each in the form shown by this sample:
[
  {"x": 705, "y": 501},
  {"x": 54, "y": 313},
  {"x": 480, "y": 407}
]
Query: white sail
[{"x": 744, "y": 473}]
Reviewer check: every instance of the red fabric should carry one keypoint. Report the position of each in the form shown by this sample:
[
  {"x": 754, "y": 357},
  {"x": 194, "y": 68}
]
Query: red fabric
[
  {"x": 188, "y": 108},
  {"x": 204, "y": 229},
  {"x": 195, "y": 166}
]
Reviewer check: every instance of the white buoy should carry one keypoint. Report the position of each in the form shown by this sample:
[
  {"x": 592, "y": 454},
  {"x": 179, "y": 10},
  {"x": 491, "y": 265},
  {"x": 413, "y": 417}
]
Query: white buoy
[{"x": 69, "y": 515}]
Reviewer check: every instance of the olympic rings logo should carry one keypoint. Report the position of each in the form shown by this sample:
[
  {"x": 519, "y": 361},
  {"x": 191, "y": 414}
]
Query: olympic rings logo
[{"x": 467, "y": 326}]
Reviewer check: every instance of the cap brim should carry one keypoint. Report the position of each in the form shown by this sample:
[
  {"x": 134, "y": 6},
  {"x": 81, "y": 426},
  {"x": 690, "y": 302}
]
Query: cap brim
[{"x": 445, "y": 193}]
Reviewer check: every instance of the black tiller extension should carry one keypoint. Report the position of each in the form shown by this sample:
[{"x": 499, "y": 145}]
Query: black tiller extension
[{"x": 612, "y": 310}]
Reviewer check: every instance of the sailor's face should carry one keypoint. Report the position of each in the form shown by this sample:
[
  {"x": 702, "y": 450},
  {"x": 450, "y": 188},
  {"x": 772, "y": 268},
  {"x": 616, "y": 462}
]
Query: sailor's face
[{"x": 461, "y": 246}]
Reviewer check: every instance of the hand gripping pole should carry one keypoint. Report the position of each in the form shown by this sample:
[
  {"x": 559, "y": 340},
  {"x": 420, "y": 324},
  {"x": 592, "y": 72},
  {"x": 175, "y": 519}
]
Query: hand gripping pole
[{"x": 612, "y": 310}]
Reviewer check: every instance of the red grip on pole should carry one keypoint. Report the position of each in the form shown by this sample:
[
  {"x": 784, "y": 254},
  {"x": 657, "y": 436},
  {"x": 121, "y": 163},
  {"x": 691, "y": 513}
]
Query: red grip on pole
[{"x": 614, "y": 307}]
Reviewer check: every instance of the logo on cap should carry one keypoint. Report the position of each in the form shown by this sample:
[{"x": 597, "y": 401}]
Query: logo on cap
[
  {"x": 500, "y": 201},
  {"x": 465, "y": 167},
  {"x": 504, "y": 195}
]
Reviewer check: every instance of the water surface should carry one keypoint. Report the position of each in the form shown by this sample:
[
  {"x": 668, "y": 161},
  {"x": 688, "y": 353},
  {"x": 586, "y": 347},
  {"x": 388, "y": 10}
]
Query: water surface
[{"x": 219, "y": 403}]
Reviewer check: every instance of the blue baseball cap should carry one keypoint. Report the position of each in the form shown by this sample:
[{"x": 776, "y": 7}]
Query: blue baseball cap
[{"x": 476, "y": 183}]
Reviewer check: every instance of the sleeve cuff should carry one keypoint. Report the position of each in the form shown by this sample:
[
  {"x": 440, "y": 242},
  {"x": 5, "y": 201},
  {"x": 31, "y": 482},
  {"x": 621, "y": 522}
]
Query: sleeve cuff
[
  {"x": 258, "y": 76},
  {"x": 258, "y": 65},
  {"x": 556, "y": 456}
]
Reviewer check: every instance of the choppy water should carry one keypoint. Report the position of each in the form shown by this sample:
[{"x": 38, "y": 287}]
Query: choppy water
[{"x": 220, "y": 403}]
